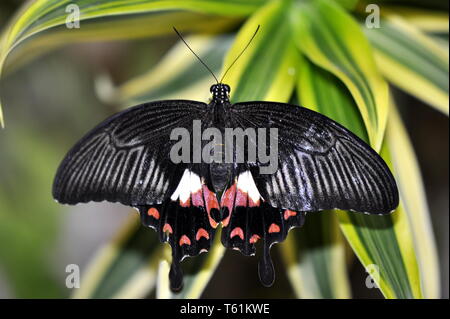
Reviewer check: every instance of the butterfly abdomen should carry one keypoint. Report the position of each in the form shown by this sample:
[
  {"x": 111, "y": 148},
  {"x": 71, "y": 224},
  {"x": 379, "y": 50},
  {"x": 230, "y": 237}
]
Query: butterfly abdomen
[{"x": 220, "y": 175}]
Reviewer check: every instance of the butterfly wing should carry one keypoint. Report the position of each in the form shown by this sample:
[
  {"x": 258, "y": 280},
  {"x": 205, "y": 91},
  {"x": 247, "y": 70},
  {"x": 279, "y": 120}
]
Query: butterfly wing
[
  {"x": 126, "y": 159},
  {"x": 249, "y": 219},
  {"x": 321, "y": 164}
]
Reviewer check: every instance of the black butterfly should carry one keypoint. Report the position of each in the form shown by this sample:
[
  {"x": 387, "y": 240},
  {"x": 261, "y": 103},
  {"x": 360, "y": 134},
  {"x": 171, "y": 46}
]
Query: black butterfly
[{"x": 321, "y": 165}]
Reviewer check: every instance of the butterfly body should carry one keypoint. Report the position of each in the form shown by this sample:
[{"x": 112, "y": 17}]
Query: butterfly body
[{"x": 319, "y": 165}]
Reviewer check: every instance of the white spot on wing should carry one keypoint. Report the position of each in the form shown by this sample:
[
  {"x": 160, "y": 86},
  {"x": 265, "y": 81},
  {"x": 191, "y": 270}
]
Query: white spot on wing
[
  {"x": 189, "y": 183},
  {"x": 247, "y": 184}
]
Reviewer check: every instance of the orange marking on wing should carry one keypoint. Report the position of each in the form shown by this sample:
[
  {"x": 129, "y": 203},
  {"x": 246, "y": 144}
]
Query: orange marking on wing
[
  {"x": 241, "y": 198},
  {"x": 197, "y": 199},
  {"x": 251, "y": 203},
  {"x": 187, "y": 203},
  {"x": 274, "y": 228},
  {"x": 201, "y": 232},
  {"x": 289, "y": 213},
  {"x": 228, "y": 198},
  {"x": 254, "y": 239},
  {"x": 167, "y": 229},
  {"x": 237, "y": 232},
  {"x": 153, "y": 212},
  {"x": 226, "y": 220},
  {"x": 211, "y": 203},
  {"x": 184, "y": 240}
]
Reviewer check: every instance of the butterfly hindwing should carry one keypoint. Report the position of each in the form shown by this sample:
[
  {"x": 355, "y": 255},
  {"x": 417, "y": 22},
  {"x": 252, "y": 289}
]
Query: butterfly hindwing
[
  {"x": 250, "y": 219},
  {"x": 184, "y": 220}
]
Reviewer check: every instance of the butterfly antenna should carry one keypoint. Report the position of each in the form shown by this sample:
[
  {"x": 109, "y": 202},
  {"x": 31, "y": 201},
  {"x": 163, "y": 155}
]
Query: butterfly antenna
[
  {"x": 242, "y": 52},
  {"x": 204, "y": 64}
]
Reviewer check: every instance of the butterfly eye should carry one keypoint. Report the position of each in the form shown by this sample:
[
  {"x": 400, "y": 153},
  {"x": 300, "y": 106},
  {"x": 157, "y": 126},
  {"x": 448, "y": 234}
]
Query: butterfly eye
[{"x": 227, "y": 87}]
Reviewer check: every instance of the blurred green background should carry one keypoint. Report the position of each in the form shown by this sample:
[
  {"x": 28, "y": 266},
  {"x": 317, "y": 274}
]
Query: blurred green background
[{"x": 51, "y": 101}]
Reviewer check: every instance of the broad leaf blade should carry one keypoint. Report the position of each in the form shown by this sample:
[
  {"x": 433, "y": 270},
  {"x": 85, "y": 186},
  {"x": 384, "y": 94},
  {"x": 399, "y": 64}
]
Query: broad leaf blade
[
  {"x": 51, "y": 15},
  {"x": 178, "y": 75},
  {"x": 423, "y": 19},
  {"x": 415, "y": 204},
  {"x": 412, "y": 61},
  {"x": 267, "y": 70},
  {"x": 315, "y": 258},
  {"x": 330, "y": 38},
  {"x": 125, "y": 267}
]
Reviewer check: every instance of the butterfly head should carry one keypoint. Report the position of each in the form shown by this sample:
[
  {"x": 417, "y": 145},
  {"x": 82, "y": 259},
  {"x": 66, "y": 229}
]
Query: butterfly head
[{"x": 220, "y": 92}]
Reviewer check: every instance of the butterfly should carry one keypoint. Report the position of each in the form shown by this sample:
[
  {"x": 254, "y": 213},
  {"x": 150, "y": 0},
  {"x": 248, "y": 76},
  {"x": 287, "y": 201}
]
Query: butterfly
[{"x": 320, "y": 165}]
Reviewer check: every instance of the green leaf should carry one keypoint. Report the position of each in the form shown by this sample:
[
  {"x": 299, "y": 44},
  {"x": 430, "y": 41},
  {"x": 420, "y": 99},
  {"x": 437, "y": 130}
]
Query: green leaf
[
  {"x": 117, "y": 20},
  {"x": 29, "y": 220},
  {"x": 412, "y": 61},
  {"x": 330, "y": 38},
  {"x": 423, "y": 19},
  {"x": 126, "y": 267},
  {"x": 414, "y": 204},
  {"x": 178, "y": 75},
  {"x": 267, "y": 70},
  {"x": 315, "y": 258},
  {"x": 424, "y": 4},
  {"x": 387, "y": 243},
  {"x": 348, "y": 4},
  {"x": 384, "y": 241}
]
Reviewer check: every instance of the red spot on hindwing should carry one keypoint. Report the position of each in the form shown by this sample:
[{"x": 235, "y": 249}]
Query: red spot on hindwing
[
  {"x": 289, "y": 213},
  {"x": 187, "y": 203},
  {"x": 251, "y": 203},
  {"x": 167, "y": 228},
  {"x": 210, "y": 203},
  {"x": 237, "y": 232},
  {"x": 226, "y": 220},
  {"x": 184, "y": 240},
  {"x": 201, "y": 232},
  {"x": 241, "y": 198},
  {"x": 254, "y": 239},
  {"x": 228, "y": 202},
  {"x": 197, "y": 199},
  {"x": 274, "y": 228},
  {"x": 228, "y": 198},
  {"x": 153, "y": 212}
]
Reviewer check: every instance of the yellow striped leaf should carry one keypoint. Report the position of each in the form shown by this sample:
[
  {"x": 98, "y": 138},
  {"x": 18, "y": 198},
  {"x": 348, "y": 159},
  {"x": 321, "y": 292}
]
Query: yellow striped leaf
[
  {"x": 125, "y": 267},
  {"x": 330, "y": 38},
  {"x": 382, "y": 243},
  {"x": 315, "y": 254},
  {"x": 423, "y": 19},
  {"x": 178, "y": 75},
  {"x": 267, "y": 70},
  {"x": 412, "y": 61},
  {"x": 415, "y": 205},
  {"x": 102, "y": 20}
]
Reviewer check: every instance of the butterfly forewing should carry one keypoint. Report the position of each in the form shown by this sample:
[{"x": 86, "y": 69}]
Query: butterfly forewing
[
  {"x": 126, "y": 158},
  {"x": 321, "y": 164}
]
